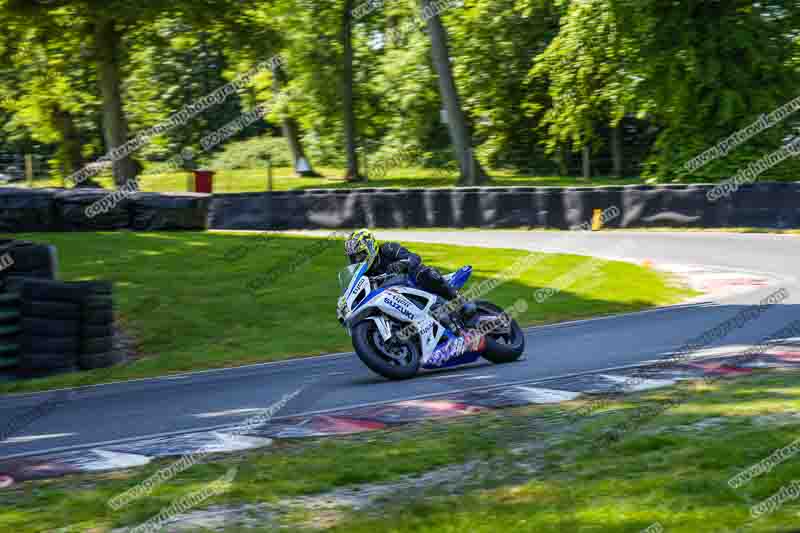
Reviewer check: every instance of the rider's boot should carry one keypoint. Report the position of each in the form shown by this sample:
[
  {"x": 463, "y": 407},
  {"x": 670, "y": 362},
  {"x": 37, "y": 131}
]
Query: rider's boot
[
  {"x": 454, "y": 306},
  {"x": 461, "y": 305},
  {"x": 441, "y": 312}
]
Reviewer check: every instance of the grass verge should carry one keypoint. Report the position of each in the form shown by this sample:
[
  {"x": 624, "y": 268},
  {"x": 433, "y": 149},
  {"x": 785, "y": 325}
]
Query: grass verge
[
  {"x": 255, "y": 180},
  {"x": 542, "y": 472},
  {"x": 190, "y": 300}
]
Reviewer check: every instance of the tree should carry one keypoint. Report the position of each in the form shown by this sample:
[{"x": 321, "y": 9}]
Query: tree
[
  {"x": 348, "y": 96},
  {"x": 708, "y": 70},
  {"x": 108, "y": 49},
  {"x": 496, "y": 43},
  {"x": 107, "y": 21},
  {"x": 470, "y": 169},
  {"x": 49, "y": 93},
  {"x": 264, "y": 30},
  {"x": 590, "y": 84}
]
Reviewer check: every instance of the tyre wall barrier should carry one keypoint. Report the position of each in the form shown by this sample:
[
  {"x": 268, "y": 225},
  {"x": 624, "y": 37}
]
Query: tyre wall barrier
[
  {"x": 550, "y": 208},
  {"x": 438, "y": 208},
  {"x": 28, "y": 259},
  {"x": 74, "y": 208},
  {"x": 771, "y": 205},
  {"x": 775, "y": 205},
  {"x": 764, "y": 205},
  {"x": 466, "y": 207},
  {"x": 32, "y": 210},
  {"x": 580, "y": 204},
  {"x": 62, "y": 325},
  {"x": 649, "y": 206},
  {"x": 162, "y": 212},
  {"x": 27, "y": 210}
]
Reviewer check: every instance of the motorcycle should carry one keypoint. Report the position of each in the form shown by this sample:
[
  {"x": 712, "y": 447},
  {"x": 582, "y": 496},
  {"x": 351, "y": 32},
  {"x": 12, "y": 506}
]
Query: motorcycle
[{"x": 398, "y": 329}]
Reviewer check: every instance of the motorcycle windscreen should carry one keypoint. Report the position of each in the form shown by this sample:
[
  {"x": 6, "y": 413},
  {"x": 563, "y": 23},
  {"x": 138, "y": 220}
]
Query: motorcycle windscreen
[{"x": 346, "y": 276}]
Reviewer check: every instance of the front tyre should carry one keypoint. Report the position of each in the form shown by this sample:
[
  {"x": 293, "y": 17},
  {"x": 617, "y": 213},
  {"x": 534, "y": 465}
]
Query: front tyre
[
  {"x": 392, "y": 360},
  {"x": 503, "y": 346}
]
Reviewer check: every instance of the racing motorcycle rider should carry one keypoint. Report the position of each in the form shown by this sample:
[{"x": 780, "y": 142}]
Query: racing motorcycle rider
[{"x": 391, "y": 257}]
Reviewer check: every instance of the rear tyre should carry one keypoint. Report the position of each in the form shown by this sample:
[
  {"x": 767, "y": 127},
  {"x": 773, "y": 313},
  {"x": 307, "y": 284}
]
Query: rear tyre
[
  {"x": 505, "y": 346},
  {"x": 399, "y": 362}
]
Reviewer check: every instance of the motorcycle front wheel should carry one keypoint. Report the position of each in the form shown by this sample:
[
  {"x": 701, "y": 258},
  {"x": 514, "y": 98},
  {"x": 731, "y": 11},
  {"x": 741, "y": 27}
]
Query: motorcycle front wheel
[{"x": 392, "y": 360}]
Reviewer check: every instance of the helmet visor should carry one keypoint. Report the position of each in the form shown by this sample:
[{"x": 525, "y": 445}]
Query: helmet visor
[{"x": 358, "y": 257}]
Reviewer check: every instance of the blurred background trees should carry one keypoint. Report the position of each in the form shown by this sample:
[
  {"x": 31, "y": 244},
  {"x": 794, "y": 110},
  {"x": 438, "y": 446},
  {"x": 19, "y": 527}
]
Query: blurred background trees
[{"x": 560, "y": 87}]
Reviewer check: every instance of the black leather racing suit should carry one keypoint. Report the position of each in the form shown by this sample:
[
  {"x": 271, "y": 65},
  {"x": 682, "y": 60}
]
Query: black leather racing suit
[{"x": 426, "y": 278}]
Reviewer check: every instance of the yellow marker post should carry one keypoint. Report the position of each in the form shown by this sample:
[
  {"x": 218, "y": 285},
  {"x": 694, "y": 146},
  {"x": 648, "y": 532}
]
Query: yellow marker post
[{"x": 597, "y": 219}]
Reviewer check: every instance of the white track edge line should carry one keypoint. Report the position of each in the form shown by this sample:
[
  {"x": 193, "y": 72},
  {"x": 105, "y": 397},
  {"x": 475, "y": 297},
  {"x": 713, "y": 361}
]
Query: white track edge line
[{"x": 223, "y": 427}]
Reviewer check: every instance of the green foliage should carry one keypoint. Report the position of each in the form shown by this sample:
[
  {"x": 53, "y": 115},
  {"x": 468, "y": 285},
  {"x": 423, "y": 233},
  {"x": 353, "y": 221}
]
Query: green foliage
[
  {"x": 252, "y": 154},
  {"x": 709, "y": 70},
  {"x": 496, "y": 44},
  {"x": 538, "y": 79}
]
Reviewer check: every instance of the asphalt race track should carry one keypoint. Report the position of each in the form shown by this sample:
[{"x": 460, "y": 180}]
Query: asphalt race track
[{"x": 215, "y": 399}]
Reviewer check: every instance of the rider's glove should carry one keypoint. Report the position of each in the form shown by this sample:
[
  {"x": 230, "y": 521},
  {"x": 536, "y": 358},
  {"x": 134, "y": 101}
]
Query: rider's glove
[{"x": 398, "y": 267}]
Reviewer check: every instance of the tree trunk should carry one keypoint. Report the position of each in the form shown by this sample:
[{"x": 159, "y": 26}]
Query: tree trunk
[
  {"x": 69, "y": 150},
  {"x": 563, "y": 160},
  {"x": 616, "y": 149},
  {"x": 471, "y": 171},
  {"x": 291, "y": 131},
  {"x": 587, "y": 161},
  {"x": 350, "y": 136},
  {"x": 108, "y": 42}
]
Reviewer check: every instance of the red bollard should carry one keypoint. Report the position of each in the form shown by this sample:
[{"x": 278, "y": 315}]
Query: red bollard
[{"x": 204, "y": 181}]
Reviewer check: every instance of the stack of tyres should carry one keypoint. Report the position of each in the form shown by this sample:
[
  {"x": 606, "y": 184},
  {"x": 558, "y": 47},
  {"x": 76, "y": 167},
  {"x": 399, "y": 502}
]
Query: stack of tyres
[
  {"x": 51, "y": 323},
  {"x": 10, "y": 329},
  {"x": 24, "y": 258},
  {"x": 97, "y": 326}
]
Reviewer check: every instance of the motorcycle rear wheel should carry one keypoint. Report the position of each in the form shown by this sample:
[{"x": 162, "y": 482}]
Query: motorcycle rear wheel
[
  {"x": 501, "y": 348},
  {"x": 373, "y": 352}
]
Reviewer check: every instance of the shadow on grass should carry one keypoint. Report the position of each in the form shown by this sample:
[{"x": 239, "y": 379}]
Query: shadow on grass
[{"x": 191, "y": 309}]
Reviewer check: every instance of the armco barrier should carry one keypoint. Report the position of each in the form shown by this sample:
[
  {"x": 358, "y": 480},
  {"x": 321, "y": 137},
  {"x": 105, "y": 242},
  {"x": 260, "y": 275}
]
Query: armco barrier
[{"x": 772, "y": 205}]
